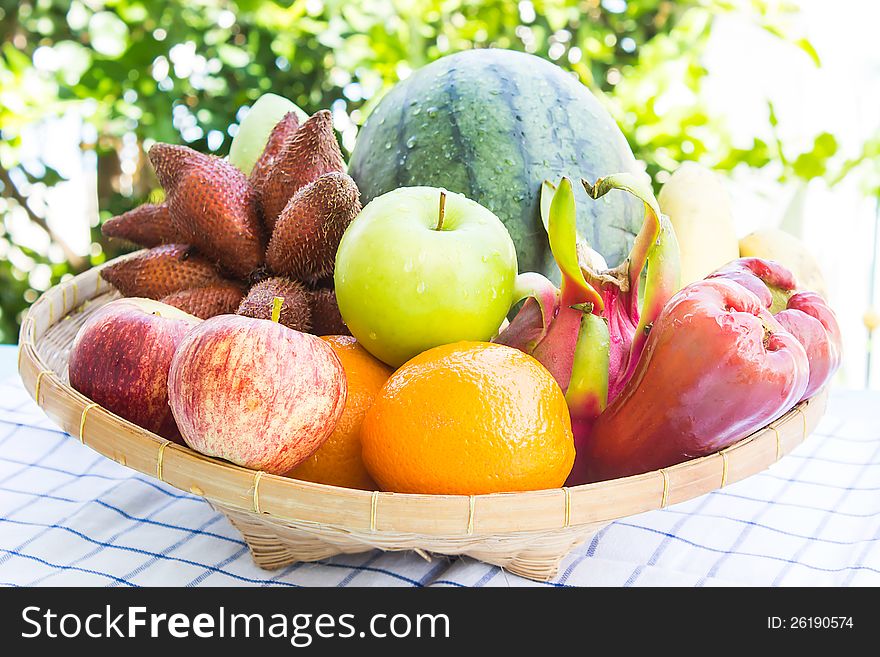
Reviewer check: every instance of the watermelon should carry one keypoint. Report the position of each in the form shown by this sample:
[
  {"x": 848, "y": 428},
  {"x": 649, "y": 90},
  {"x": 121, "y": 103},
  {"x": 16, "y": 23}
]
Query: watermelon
[{"x": 493, "y": 124}]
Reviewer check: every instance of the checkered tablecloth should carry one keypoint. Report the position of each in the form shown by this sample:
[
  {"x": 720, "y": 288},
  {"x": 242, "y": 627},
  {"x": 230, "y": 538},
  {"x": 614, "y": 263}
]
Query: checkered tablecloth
[{"x": 69, "y": 516}]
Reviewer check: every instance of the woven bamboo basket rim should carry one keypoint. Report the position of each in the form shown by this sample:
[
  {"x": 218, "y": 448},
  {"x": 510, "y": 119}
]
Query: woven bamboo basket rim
[{"x": 44, "y": 341}]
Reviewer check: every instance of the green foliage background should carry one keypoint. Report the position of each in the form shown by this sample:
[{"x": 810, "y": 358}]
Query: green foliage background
[{"x": 180, "y": 71}]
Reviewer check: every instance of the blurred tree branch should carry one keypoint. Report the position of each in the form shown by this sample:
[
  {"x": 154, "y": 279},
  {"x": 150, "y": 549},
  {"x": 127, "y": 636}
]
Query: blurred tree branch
[{"x": 76, "y": 261}]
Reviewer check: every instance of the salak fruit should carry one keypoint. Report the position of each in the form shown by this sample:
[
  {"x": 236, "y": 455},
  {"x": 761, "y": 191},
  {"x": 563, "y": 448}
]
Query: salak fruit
[
  {"x": 212, "y": 206},
  {"x": 219, "y": 233}
]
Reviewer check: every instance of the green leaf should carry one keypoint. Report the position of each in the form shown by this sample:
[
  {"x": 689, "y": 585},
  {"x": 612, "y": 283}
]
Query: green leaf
[
  {"x": 774, "y": 120},
  {"x": 108, "y": 34},
  {"x": 808, "y": 48},
  {"x": 50, "y": 177},
  {"x": 825, "y": 144},
  {"x": 814, "y": 163},
  {"x": 16, "y": 60},
  {"x": 233, "y": 56}
]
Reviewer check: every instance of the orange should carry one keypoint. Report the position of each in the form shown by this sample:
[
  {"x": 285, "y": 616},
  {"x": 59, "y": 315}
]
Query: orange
[
  {"x": 338, "y": 461},
  {"x": 469, "y": 418}
]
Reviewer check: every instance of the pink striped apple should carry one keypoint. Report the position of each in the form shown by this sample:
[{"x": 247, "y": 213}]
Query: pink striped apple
[{"x": 255, "y": 392}]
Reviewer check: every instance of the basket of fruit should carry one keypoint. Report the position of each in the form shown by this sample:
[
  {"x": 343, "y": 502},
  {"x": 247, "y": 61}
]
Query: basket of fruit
[{"x": 337, "y": 378}]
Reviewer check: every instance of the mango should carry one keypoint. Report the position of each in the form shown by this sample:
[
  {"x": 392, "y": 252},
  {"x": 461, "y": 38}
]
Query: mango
[
  {"x": 785, "y": 248},
  {"x": 696, "y": 202}
]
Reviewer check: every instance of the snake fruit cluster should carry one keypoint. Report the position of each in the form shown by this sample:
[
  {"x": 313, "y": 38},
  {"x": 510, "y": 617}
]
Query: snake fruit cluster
[{"x": 223, "y": 242}]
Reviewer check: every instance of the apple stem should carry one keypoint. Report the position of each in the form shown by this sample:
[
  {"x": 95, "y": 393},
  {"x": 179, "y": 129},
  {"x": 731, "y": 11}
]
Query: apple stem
[
  {"x": 442, "y": 210},
  {"x": 276, "y": 308}
]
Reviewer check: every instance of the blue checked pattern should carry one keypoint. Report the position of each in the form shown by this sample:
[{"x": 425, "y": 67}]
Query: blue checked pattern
[{"x": 69, "y": 516}]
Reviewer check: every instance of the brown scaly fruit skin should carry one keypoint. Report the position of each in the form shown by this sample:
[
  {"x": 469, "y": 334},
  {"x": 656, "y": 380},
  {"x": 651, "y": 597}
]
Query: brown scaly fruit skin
[
  {"x": 308, "y": 231},
  {"x": 265, "y": 164},
  {"x": 147, "y": 225},
  {"x": 326, "y": 319},
  {"x": 309, "y": 153},
  {"x": 205, "y": 302},
  {"x": 177, "y": 275},
  {"x": 212, "y": 206},
  {"x": 295, "y": 312},
  {"x": 161, "y": 271}
]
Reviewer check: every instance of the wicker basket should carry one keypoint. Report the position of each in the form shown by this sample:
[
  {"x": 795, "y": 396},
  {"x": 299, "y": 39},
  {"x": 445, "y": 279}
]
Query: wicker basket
[{"x": 284, "y": 520}]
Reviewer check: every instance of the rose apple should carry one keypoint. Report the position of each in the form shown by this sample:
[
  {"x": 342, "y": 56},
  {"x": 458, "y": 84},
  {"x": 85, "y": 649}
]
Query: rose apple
[
  {"x": 420, "y": 267},
  {"x": 121, "y": 357},
  {"x": 255, "y": 392},
  {"x": 808, "y": 318},
  {"x": 805, "y": 314},
  {"x": 716, "y": 366}
]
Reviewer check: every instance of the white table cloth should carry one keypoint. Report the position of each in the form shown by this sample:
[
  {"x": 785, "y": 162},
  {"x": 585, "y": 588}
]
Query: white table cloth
[{"x": 69, "y": 516}]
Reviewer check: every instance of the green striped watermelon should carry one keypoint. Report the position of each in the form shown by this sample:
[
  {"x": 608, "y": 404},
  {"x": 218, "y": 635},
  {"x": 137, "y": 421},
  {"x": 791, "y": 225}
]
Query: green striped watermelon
[{"x": 493, "y": 125}]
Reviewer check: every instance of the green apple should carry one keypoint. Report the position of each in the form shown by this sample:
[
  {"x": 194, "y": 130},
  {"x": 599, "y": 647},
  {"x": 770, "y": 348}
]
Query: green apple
[
  {"x": 420, "y": 267},
  {"x": 254, "y": 131}
]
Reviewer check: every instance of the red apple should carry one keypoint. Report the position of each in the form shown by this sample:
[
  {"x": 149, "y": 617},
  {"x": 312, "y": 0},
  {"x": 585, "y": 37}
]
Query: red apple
[
  {"x": 121, "y": 357},
  {"x": 255, "y": 392}
]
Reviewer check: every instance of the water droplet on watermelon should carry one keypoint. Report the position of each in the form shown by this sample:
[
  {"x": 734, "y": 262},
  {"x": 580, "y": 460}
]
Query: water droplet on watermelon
[
  {"x": 410, "y": 142},
  {"x": 387, "y": 145},
  {"x": 408, "y": 266},
  {"x": 421, "y": 287},
  {"x": 432, "y": 111}
]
